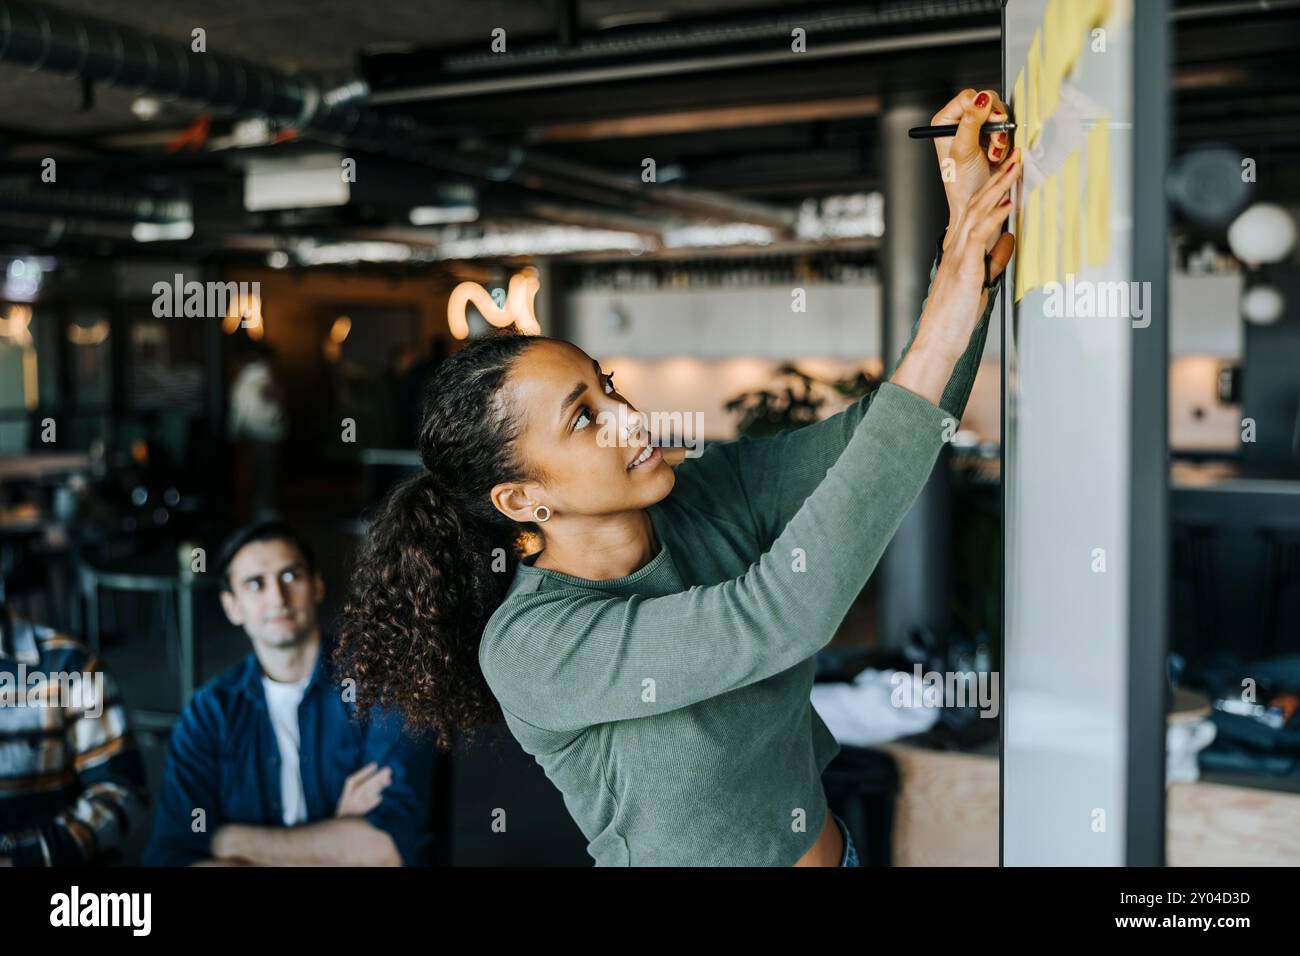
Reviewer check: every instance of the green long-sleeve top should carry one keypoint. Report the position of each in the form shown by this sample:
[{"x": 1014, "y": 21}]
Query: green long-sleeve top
[{"x": 671, "y": 706}]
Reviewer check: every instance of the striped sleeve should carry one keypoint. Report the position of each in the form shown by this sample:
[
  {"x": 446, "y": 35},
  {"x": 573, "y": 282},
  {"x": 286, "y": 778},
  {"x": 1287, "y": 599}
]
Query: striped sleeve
[{"x": 104, "y": 769}]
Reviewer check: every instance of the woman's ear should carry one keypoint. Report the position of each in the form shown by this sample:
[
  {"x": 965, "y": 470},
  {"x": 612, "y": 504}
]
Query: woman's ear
[{"x": 514, "y": 500}]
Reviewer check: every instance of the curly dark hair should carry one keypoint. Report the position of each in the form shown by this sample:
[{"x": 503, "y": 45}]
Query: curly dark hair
[{"x": 438, "y": 557}]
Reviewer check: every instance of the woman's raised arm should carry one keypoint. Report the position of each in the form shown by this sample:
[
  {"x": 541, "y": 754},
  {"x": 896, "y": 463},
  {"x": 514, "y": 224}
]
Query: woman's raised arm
[
  {"x": 779, "y": 471},
  {"x": 567, "y": 659}
]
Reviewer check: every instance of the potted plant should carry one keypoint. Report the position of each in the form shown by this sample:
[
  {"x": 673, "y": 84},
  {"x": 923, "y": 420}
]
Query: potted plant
[{"x": 794, "y": 400}]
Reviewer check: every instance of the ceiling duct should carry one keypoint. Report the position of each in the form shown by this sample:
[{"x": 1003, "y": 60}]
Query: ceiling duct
[
  {"x": 96, "y": 51},
  {"x": 698, "y": 44}
]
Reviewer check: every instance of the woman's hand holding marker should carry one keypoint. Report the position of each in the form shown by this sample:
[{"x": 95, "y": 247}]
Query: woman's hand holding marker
[{"x": 967, "y": 160}]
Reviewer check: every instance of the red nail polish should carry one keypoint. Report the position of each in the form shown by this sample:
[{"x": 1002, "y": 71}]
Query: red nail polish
[{"x": 981, "y": 101}]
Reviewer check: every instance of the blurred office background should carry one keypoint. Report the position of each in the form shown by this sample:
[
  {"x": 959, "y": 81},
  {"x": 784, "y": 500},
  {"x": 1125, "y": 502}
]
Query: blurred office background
[{"x": 673, "y": 175}]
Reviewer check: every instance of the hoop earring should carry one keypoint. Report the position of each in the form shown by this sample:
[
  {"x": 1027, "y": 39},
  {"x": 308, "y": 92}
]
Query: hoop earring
[{"x": 537, "y": 513}]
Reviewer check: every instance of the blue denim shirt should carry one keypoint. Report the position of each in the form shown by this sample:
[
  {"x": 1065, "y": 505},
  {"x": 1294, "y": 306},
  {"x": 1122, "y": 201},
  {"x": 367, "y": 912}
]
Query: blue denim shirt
[{"x": 224, "y": 760}]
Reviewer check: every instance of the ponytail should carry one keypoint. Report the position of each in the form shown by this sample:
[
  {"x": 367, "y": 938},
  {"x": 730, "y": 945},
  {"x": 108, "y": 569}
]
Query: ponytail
[{"x": 438, "y": 558}]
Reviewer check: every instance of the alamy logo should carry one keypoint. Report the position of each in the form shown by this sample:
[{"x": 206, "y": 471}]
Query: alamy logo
[
  {"x": 949, "y": 689},
  {"x": 103, "y": 909},
  {"x": 1098, "y": 300},
  {"x": 70, "y": 690},
  {"x": 202, "y": 300},
  {"x": 665, "y": 429}
]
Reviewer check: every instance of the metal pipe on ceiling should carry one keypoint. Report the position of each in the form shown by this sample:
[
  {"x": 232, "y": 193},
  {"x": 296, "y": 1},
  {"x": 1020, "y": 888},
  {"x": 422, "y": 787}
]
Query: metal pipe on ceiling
[
  {"x": 58, "y": 42},
  {"x": 695, "y": 64},
  {"x": 697, "y": 201},
  {"x": 1236, "y": 8},
  {"x": 20, "y": 195},
  {"x": 593, "y": 218},
  {"x": 566, "y": 73},
  {"x": 96, "y": 51}
]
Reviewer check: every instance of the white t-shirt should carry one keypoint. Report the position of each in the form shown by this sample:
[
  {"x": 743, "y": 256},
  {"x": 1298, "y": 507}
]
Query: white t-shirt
[{"x": 282, "y": 702}]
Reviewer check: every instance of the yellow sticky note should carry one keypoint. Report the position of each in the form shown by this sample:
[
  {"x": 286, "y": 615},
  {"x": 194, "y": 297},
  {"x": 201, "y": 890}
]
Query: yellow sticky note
[
  {"x": 1019, "y": 110},
  {"x": 1070, "y": 200},
  {"x": 1073, "y": 14},
  {"x": 1097, "y": 210},
  {"x": 1049, "y": 92},
  {"x": 1050, "y": 36},
  {"x": 1035, "y": 68},
  {"x": 1027, "y": 238},
  {"x": 1050, "y": 76},
  {"x": 1047, "y": 238}
]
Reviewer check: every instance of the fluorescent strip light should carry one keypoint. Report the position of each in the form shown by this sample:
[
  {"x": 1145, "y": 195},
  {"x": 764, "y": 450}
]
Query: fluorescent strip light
[
  {"x": 441, "y": 215},
  {"x": 162, "y": 231}
]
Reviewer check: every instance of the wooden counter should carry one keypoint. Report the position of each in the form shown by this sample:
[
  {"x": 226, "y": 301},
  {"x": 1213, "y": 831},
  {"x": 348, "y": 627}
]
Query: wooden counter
[{"x": 947, "y": 815}]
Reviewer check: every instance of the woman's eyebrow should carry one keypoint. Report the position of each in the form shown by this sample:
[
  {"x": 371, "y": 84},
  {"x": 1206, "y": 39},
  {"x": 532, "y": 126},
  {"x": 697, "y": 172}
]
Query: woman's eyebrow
[{"x": 577, "y": 390}]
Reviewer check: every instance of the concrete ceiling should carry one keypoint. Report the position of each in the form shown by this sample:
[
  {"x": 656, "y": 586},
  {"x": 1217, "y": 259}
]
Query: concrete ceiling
[
  {"x": 778, "y": 135},
  {"x": 312, "y": 36}
]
